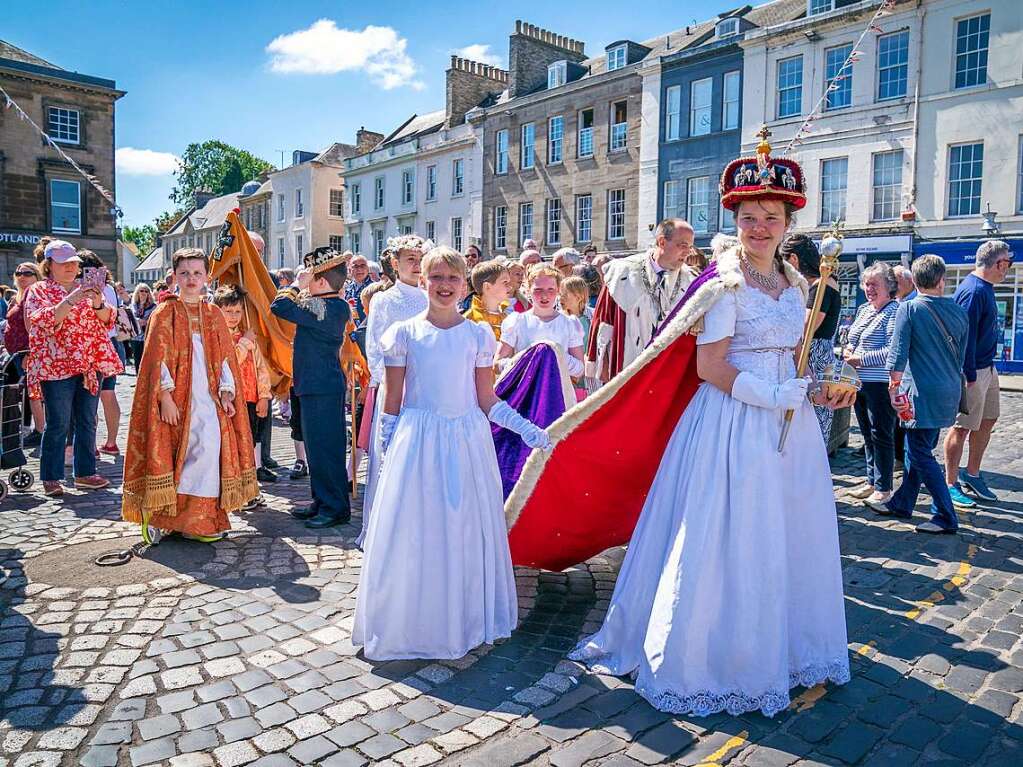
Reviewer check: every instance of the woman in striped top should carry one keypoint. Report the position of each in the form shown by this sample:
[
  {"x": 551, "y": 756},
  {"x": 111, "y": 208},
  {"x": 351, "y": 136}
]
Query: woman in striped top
[{"x": 867, "y": 351}]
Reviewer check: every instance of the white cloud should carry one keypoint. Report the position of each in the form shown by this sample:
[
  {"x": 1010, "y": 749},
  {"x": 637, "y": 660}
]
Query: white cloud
[
  {"x": 481, "y": 53},
  {"x": 145, "y": 162},
  {"x": 324, "y": 49}
]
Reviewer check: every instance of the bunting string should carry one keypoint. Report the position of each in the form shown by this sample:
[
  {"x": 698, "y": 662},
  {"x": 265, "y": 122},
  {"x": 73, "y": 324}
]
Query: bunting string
[
  {"x": 843, "y": 73},
  {"x": 10, "y": 103}
]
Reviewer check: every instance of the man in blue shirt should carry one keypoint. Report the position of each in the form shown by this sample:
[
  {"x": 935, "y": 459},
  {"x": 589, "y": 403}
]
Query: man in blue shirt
[{"x": 976, "y": 294}]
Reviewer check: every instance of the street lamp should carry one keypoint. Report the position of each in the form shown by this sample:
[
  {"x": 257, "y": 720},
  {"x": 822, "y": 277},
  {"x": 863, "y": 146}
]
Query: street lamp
[{"x": 989, "y": 227}]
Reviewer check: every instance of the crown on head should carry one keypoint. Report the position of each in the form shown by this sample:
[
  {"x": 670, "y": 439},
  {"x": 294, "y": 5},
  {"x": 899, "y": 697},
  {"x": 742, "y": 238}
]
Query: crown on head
[{"x": 762, "y": 177}]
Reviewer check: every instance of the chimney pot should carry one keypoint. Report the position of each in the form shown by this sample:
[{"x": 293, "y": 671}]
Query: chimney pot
[{"x": 518, "y": 26}]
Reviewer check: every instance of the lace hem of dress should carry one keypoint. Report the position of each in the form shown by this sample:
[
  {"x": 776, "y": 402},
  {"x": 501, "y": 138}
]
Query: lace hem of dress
[{"x": 733, "y": 702}]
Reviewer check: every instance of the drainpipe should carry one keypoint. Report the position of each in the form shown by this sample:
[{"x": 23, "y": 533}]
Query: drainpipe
[{"x": 921, "y": 13}]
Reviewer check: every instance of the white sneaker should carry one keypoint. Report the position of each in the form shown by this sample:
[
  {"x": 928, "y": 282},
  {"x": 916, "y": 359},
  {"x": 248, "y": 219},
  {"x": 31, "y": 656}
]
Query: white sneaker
[
  {"x": 879, "y": 499},
  {"x": 863, "y": 491}
]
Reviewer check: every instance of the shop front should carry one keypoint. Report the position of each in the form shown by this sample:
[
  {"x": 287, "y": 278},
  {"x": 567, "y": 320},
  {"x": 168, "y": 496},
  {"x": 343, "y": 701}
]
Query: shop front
[{"x": 960, "y": 259}]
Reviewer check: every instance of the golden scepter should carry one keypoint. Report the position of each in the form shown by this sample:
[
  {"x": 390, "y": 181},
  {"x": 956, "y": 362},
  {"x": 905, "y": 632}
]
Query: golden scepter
[{"x": 831, "y": 249}]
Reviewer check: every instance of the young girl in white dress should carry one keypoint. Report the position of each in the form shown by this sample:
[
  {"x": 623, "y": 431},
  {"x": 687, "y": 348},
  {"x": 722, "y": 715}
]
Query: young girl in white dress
[
  {"x": 543, "y": 322},
  {"x": 437, "y": 577}
]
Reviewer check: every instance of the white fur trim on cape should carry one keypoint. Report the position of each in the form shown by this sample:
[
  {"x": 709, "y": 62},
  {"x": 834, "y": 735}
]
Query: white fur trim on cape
[
  {"x": 566, "y": 381},
  {"x": 729, "y": 277}
]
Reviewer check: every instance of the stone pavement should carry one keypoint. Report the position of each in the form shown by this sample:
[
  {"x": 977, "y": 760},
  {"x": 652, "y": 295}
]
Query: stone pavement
[{"x": 240, "y": 653}]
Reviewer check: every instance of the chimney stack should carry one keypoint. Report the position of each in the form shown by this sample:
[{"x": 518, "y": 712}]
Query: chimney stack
[
  {"x": 469, "y": 83},
  {"x": 202, "y": 196},
  {"x": 366, "y": 140},
  {"x": 531, "y": 50}
]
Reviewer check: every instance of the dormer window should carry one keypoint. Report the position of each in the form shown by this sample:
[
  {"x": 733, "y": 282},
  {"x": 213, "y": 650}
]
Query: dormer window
[
  {"x": 557, "y": 74},
  {"x": 727, "y": 27},
  {"x": 817, "y": 7},
  {"x": 616, "y": 58}
]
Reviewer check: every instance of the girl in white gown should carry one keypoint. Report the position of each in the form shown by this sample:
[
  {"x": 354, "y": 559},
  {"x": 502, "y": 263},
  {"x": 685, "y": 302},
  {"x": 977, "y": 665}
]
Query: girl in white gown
[
  {"x": 731, "y": 589},
  {"x": 437, "y": 577}
]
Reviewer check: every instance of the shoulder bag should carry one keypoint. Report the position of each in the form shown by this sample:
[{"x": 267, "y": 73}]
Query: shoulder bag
[{"x": 953, "y": 347}]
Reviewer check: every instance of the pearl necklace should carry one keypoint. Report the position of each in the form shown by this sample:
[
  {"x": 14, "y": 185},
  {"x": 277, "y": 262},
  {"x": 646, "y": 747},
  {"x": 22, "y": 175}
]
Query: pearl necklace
[{"x": 767, "y": 281}]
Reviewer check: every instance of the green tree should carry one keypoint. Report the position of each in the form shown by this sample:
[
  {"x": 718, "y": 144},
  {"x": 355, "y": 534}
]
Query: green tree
[
  {"x": 144, "y": 238},
  {"x": 166, "y": 220},
  {"x": 216, "y": 166}
]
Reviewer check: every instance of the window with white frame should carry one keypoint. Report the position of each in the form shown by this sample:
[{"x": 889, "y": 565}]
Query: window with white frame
[
  {"x": 619, "y": 138},
  {"x": 727, "y": 27},
  {"x": 378, "y": 243},
  {"x": 431, "y": 231},
  {"x": 584, "y": 146},
  {"x": 555, "y": 139},
  {"x": 965, "y": 174},
  {"x": 299, "y": 247},
  {"x": 280, "y": 207},
  {"x": 65, "y": 206},
  {"x": 525, "y": 221},
  {"x": 972, "y": 39},
  {"x": 299, "y": 208},
  {"x": 892, "y": 65},
  {"x": 209, "y": 243},
  {"x": 501, "y": 227},
  {"x": 280, "y": 251},
  {"x": 673, "y": 112},
  {"x": 616, "y": 214},
  {"x": 790, "y": 86},
  {"x": 456, "y": 234},
  {"x": 698, "y": 203},
  {"x": 699, "y": 106},
  {"x": 405, "y": 229},
  {"x": 838, "y": 77},
  {"x": 378, "y": 192},
  {"x": 554, "y": 222},
  {"x": 887, "y": 186},
  {"x": 816, "y": 7},
  {"x": 527, "y": 150},
  {"x": 64, "y": 125},
  {"x": 431, "y": 182},
  {"x": 727, "y": 220},
  {"x": 834, "y": 182},
  {"x": 730, "y": 101},
  {"x": 1019, "y": 180},
  {"x": 408, "y": 187},
  {"x": 356, "y": 190},
  {"x": 337, "y": 202},
  {"x": 336, "y": 242},
  {"x": 355, "y": 242},
  {"x": 584, "y": 218},
  {"x": 501, "y": 152},
  {"x": 616, "y": 58},
  {"x": 671, "y": 205},
  {"x": 457, "y": 177},
  {"x": 557, "y": 74}
]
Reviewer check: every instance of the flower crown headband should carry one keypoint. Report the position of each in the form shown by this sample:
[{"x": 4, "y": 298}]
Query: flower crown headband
[{"x": 410, "y": 242}]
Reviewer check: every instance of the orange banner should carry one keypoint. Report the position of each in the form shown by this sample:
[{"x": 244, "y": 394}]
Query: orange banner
[{"x": 235, "y": 261}]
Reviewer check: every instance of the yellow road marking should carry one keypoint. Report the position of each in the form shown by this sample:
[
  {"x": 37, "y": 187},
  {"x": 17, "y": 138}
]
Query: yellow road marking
[
  {"x": 867, "y": 648},
  {"x": 953, "y": 583},
  {"x": 809, "y": 698},
  {"x": 737, "y": 741}
]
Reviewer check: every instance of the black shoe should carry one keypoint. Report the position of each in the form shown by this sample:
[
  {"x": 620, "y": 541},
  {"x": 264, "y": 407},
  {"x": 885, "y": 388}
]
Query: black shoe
[
  {"x": 35, "y": 439},
  {"x": 254, "y": 503},
  {"x": 270, "y": 463},
  {"x": 324, "y": 519},
  {"x": 307, "y": 512},
  {"x": 299, "y": 470},
  {"x": 263, "y": 474}
]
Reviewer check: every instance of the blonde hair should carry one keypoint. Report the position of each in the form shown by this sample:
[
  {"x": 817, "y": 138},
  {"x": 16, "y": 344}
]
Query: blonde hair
[
  {"x": 577, "y": 287},
  {"x": 138, "y": 291},
  {"x": 542, "y": 270},
  {"x": 35, "y": 268},
  {"x": 445, "y": 255},
  {"x": 368, "y": 292}
]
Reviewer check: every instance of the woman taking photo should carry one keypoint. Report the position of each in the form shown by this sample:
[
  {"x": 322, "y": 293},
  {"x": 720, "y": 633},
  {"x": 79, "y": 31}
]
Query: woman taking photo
[
  {"x": 870, "y": 338},
  {"x": 731, "y": 589},
  {"x": 142, "y": 305},
  {"x": 69, "y": 354},
  {"x": 16, "y": 340}
]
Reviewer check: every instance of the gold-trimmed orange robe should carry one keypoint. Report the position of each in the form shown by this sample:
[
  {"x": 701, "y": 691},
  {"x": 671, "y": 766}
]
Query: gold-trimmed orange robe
[{"x": 157, "y": 451}]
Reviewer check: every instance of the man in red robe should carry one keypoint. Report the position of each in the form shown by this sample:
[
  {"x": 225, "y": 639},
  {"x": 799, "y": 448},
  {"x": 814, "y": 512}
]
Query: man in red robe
[{"x": 639, "y": 291}]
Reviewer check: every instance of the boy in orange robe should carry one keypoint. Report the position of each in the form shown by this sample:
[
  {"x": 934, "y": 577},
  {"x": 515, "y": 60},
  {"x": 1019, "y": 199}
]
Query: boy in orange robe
[{"x": 190, "y": 456}]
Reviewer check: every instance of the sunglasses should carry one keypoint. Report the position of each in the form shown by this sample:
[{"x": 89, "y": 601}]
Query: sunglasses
[{"x": 25, "y": 274}]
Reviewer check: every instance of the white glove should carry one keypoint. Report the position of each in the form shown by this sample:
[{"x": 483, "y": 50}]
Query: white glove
[
  {"x": 575, "y": 366},
  {"x": 504, "y": 415},
  {"x": 388, "y": 423},
  {"x": 755, "y": 391}
]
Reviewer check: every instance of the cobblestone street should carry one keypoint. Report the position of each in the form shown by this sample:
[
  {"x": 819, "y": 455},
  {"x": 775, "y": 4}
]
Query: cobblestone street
[{"x": 240, "y": 652}]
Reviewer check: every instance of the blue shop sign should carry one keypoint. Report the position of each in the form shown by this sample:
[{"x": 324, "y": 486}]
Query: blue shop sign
[{"x": 957, "y": 251}]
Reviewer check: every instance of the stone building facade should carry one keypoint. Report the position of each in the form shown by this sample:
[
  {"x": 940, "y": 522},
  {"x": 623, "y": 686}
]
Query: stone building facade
[
  {"x": 254, "y": 202},
  {"x": 40, "y": 194}
]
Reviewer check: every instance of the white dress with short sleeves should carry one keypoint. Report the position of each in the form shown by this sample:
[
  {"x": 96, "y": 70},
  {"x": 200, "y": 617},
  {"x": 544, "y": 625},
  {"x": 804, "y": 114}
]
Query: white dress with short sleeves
[
  {"x": 437, "y": 577},
  {"x": 731, "y": 589},
  {"x": 523, "y": 329}
]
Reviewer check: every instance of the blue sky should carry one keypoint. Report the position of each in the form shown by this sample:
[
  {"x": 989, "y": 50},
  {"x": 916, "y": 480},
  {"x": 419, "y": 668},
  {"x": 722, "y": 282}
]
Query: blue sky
[{"x": 202, "y": 70}]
